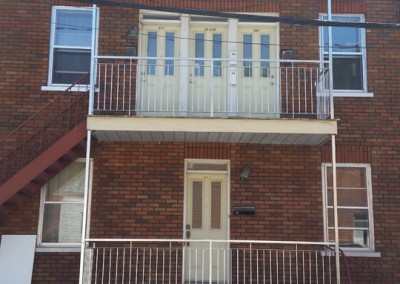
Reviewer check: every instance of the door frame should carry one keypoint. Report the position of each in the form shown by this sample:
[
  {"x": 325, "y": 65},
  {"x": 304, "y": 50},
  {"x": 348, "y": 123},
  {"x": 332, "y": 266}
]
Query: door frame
[{"x": 228, "y": 192}]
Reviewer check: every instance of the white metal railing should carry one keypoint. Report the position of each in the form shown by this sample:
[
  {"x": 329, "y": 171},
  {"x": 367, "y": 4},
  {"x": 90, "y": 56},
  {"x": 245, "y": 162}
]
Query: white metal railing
[
  {"x": 190, "y": 261},
  {"x": 153, "y": 86}
]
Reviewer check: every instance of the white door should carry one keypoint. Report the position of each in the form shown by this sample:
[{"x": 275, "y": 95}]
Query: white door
[
  {"x": 158, "y": 71},
  {"x": 207, "y": 88},
  {"x": 257, "y": 75},
  {"x": 206, "y": 219}
]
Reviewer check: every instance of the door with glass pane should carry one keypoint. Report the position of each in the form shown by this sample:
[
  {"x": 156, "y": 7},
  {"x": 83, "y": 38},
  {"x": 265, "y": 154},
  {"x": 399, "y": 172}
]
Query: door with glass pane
[
  {"x": 257, "y": 79},
  {"x": 206, "y": 219},
  {"x": 207, "y": 88},
  {"x": 159, "y": 72}
]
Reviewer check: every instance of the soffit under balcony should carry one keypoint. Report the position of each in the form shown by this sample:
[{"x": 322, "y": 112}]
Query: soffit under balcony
[{"x": 222, "y": 130}]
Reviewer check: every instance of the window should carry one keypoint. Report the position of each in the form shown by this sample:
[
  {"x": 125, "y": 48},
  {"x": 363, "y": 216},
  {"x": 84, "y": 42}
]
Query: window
[
  {"x": 349, "y": 54},
  {"x": 71, "y": 43},
  {"x": 62, "y": 206},
  {"x": 355, "y": 218}
]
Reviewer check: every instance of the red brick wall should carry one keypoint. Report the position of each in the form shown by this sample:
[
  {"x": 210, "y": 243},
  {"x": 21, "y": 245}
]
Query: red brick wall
[{"x": 138, "y": 186}]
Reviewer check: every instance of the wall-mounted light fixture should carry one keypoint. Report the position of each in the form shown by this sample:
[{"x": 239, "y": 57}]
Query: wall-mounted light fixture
[
  {"x": 132, "y": 32},
  {"x": 245, "y": 173},
  {"x": 287, "y": 54}
]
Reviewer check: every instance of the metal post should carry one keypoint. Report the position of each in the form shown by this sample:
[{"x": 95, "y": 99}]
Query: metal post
[
  {"x": 85, "y": 206},
  {"x": 93, "y": 60},
  {"x": 335, "y": 210},
  {"x": 88, "y": 145},
  {"x": 330, "y": 58}
]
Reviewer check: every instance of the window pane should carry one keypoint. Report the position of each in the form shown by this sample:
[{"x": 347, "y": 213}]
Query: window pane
[
  {"x": 347, "y": 72},
  {"x": 351, "y": 238},
  {"x": 265, "y": 51},
  {"x": 68, "y": 185},
  {"x": 247, "y": 54},
  {"x": 216, "y": 205},
  {"x": 217, "y": 53},
  {"x": 199, "y": 53},
  {"x": 348, "y": 177},
  {"x": 197, "y": 204},
  {"x": 73, "y": 28},
  {"x": 151, "y": 52},
  {"x": 345, "y": 39},
  {"x": 169, "y": 52},
  {"x": 62, "y": 223},
  {"x": 349, "y": 197},
  {"x": 348, "y": 217},
  {"x": 69, "y": 65}
]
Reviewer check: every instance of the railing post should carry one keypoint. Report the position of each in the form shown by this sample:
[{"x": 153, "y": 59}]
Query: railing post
[
  {"x": 212, "y": 88},
  {"x": 93, "y": 60},
  {"x": 210, "y": 268}
]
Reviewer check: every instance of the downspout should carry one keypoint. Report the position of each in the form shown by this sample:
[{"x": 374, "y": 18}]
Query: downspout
[
  {"x": 88, "y": 148},
  {"x": 334, "y": 176}
]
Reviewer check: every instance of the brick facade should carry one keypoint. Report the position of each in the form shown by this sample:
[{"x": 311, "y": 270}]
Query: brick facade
[{"x": 138, "y": 187}]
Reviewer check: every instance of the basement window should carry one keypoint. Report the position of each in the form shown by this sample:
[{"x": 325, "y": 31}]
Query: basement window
[
  {"x": 61, "y": 210},
  {"x": 355, "y": 215}
]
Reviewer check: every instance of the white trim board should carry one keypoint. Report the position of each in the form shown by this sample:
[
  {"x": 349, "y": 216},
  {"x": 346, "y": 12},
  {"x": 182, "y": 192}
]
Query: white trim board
[{"x": 17, "y": 254}]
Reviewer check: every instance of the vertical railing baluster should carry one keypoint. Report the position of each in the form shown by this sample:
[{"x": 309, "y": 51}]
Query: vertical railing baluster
[
  {"x": 130, "y": 262},
  {"x": 283, "y": 267},
  {"x": 109, "y": 266}
]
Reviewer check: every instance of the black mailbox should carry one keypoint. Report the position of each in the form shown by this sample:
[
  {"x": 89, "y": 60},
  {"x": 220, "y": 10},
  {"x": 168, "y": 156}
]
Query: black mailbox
[{"x": 244, "y": 210}]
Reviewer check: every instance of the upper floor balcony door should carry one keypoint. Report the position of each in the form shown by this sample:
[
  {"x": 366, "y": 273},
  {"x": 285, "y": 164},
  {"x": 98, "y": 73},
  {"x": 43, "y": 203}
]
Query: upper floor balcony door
[
  {"x": 202, "y": 67},
  {"x": 257, "y": 73},
  {"x": 208, "y": 91},
  {"x": 159, "y": 71}
]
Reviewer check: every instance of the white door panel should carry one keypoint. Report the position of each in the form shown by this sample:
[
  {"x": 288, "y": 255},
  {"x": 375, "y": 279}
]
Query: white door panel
[
  {"x": 257, "y": 75},
  {"x": 208, "y": 88},
  {"x": 206, "y": 218},
  {"x": 159, "y": 78}
]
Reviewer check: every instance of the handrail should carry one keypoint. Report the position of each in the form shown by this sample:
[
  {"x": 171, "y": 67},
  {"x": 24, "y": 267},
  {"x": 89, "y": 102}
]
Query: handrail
[
  {"x": 39, "y": 131},
  {"x": 44, "y": 107},
  {"x": 206, "y": 59},
  {"x": 348, "y": 259}
]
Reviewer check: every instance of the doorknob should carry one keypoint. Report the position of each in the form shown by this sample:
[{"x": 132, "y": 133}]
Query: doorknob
[{"x": 187, "y": 234}]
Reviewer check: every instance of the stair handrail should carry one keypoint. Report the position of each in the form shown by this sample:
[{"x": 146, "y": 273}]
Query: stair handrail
[
  {"x": 44, "y": 107},
  {"x": 348, "y": 259},
  {"x": 15, "y": 154}
]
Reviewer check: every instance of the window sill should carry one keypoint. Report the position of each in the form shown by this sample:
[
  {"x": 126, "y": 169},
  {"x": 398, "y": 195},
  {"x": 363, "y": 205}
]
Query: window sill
[
  {"x": 58, "y": 88},
  {"x": 350, "y": 94},
  {"x": 354, "y": 253},
  {"x": 60, "y": 248}
]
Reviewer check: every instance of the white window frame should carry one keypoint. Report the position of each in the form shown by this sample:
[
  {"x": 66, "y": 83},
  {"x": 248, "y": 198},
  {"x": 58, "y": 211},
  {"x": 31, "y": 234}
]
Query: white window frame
[
  {"x": 56, "y": 86},
  {"x": 349, "y": 93},
  {"x": 59, "y": 247},
  {"x": 350, "y": 251}
]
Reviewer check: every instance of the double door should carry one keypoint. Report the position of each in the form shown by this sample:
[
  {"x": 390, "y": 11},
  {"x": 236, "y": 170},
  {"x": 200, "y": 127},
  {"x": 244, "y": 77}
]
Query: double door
[{"x": 220, "y": 76}]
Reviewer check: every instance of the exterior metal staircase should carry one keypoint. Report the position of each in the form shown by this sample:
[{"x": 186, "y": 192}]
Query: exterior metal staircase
[{"x": 43, "y": 145}]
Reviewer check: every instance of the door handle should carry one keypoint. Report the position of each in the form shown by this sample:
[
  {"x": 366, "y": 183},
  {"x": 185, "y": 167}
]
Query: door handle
[{"x": 187, "y": 235}]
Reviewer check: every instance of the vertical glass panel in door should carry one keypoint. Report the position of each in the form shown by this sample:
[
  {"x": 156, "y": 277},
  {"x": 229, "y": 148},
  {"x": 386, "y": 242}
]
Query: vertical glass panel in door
[
  {"x": 159, "y": 72},
  {"x": 257, "y": 83},
  {"x": 247, "y": 55},
  {"x": 199, "y": 53},
  {"x": 169, "y": 52},
  {"x": 151, "y": 52}
]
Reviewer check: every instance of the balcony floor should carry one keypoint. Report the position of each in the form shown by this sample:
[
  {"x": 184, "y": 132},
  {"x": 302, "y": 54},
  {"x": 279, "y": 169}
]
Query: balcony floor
[{"x": 224, "y": 130}]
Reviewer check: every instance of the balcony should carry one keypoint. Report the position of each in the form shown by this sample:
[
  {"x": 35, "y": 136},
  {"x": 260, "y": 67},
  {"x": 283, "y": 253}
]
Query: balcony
[
  {"x": 207, "y": 261},
  {"x": 218, "y": 100}
]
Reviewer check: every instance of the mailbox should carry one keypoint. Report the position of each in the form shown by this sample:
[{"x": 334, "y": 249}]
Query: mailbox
[{"x": 244, "y": 210}]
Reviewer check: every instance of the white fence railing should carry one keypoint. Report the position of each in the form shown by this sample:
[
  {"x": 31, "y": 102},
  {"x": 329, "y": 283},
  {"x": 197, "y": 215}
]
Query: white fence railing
[
  {"x": 183, "y": 261},
  {"x": 149, "y": 86}
]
